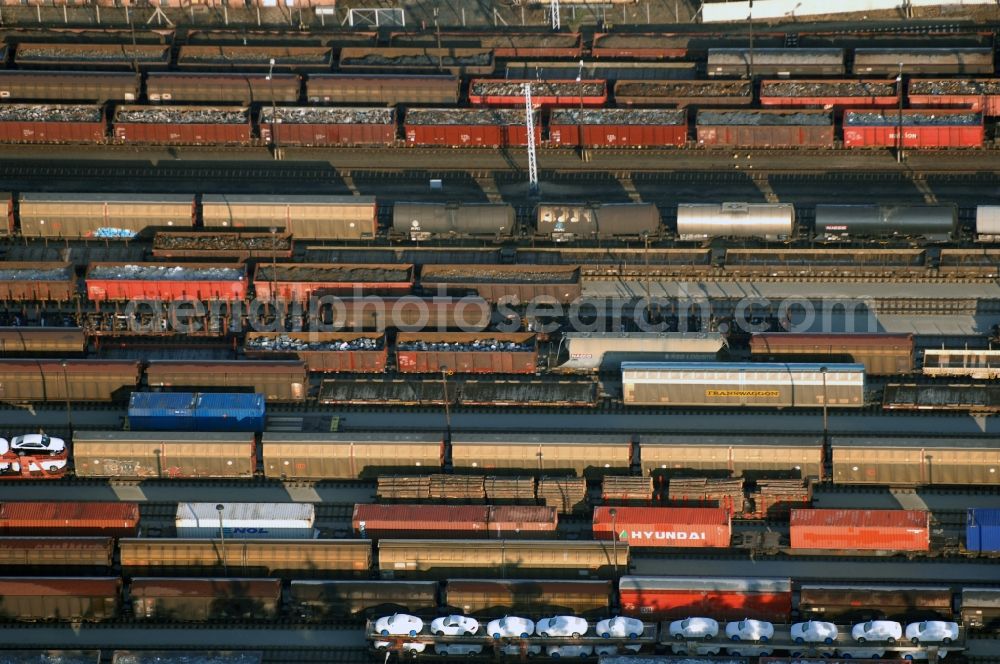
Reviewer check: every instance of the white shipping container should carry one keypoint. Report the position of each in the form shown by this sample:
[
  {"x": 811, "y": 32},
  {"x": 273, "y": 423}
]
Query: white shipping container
[{"x": 247, "y": 520}]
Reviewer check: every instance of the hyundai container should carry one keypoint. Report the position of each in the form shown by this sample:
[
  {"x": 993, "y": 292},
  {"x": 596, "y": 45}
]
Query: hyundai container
[{"x": 689, "y": 527}]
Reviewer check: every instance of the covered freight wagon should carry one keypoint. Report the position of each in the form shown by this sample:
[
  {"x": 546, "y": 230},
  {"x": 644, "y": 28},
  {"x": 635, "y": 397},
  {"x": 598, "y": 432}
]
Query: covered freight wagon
[
  {"x": 605, "y": 351},
  {"x": 165, "y": 281},
  {"x": 277, "y": 380},
  {"x": 768, "y": 221},
  {"x": 618, "y": 127},
  {"x": 860, "y": 530},
  {"x": 127, "y": 454},
  {"x": 782, "y": 62},
  {"x": 244, "y": 88},
  {"x": 383, "y": 89},
  {"x": 42, "y": 341},
  {"x": 348, "y": 456},
  {"x": 565, "y": 45},
  {"x": 36, "y": 599},
  {"x": 61, "y": 555},
  {"x": 534, "y": 598},
  {"x": 975, "y": 94},
  {"x": 37, "y": 281},
  {"x": 428, "y": 221},
  {"x": 468, "y": 127},
  {"x": 584, "y": 455},
  {"x": 74, "y": 216},
  {"x": 76, "y": 380},
  {"x": 246, "y": 520},
  {"x": 915, "y": 461},
  {"x": 318, "y": 126},
  {"x": 988, "y": 223},
  {"x": 743, "y": 384},
  {"x": 945, "y": 60},
  {"x": 725, "y": 598},
  {"x": 298, "y": 282},
  {"x": 685, "y": 527},
  {"x": 854, "y": 602},
  {"x": 765, "y": 129},
  {"x": 843, "y": 93},
  {"x": 323, "y": 352},
  {"x": 944, "y": 128},
  {"x": 751, "y": 455},
  {"x": 882, "y": 354},
  {"x": 515, "y": 284},
  {"x": 188, "y": 600},
  {"x": 467, "y": 352},
  {"x": 330, "y": 600},
  {"x": 52, "y": 123},
  {"x": 80, "y": 86},
  {"x": 683, "y": 93},
  {"x": 934, "y": 223},
  {"x": 544, "y": 94},
  {"x": 182, "y": 125},
  {"x": 305, "y": 217}
]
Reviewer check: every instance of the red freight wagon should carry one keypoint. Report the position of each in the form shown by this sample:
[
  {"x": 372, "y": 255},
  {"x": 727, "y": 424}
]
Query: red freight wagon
[
  {"x": 978, "y": 94},
  {"x": 522, "y": 521},
  {"x": 421, "y": 521},
  {"x": 164, "y": 281},
  {"x": 619, "y": 127},
  {"x": 300, "y": 281},
  {"x": 639, "y": 46},
  {"x": 921, "y": 129},
  {"x": 77, "y": 519},
  {"x": 322, "y": 126},
  {"x": 765, "y": 129},
  {"x": 831, "y": 93},
  {"x": 182, "y": 125},
  {"x": 466, "y": 352},
  {"x": 860, "y": 530},
  {"x": 664, "y": 526},
  {"x": 52, "y": 123},
  {"x": 468, "y": 127},
  {"x": 33, "y": 599},
  {"x": 668, "y": 598},
  {"x": 544, "y": 94}
]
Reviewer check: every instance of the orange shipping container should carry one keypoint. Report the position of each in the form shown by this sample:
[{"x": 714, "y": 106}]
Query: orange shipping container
[
  {"x": 79, "y": 519},
  {"x": 664, "y": 526},
  {"x": 868, "y": 530},
  {"x": 522, "y": 521},
  {"x": 420, "y": 521}
]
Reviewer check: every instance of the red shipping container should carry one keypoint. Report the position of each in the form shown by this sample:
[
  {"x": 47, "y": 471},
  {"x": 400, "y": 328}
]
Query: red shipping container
[
  {"x": 77, "y": 519},
  {"x": 420, "y": 521},
  {"x": 669, "y": 598},
  {"x": 688, "y": 527},
  {"x": 522, "y": 521},
  {"x": 885, "y": 132},
  {"x": 861, "y": 530}
]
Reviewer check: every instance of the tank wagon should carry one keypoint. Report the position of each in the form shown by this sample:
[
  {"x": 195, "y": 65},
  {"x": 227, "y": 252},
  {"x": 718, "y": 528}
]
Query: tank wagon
[
  {"x": 932, "y": 223},
  {"x": 432, "y": 221},
  {"x": 571, "y": 222},
  {"x": 739, "y": 384},
  {"x": 771, "y": 221}
]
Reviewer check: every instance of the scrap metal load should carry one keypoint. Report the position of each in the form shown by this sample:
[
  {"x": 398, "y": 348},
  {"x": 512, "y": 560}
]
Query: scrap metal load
[
  {"x": 466, "y": 352},
  {"x": 765, "y": 129},
  {"x": 41, "y": 281},
  {"x": 461, "y": 116},
  {"x": 151, "y": 272},
  {"x": 454, "y": 60},
  {"x": 181, "y": 115},
  {"x": 300, "y": 281},
  {"x": 196, "y": 125},
  {"x": 256, "y": 57},
  {"x": 468, "y": 127},
  {"x": 684, "y": 93},
  {"x": 51, "y": 123},
  {"x": 976, "y": 94},
  {"x": 304, "y": 125},
  {"x": 626, "y": 127},
  {"x": 921, "y": 129},
  {"x": 49, "y": 113},
  {"x": 114, "y": 56},
  {"x": 829, "y": 94},
  {"x": 152, "y": 281},
  {"x": 544, "y": 94},
  {"x": 321, "y": 115},
  {"x": 287, "y": 343}
]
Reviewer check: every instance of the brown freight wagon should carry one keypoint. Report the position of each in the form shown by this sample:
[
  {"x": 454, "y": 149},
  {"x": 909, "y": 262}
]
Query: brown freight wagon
[
  {"x": 305, "y": 217},
  {"x": 182, "y": 125},
  {"x": 917, "y": 461},
  {"x": 584, "y": 455},
  {"x": 37, "y": 281},
  {"x": 639, "y": 46},
  {"x": 188, "y": 600},
  {"x": 384, "y": 89},
  {"x": 765, "y": 129},
  {"x": 105, "y": 519},
  {"x": 277, "y": 558},
  {"x": 42, "y": 340},
  {"x": 882, "y": 354},
  {"x": 214, "y": 245},
  {"x": 347, "y": 456},
  {"x": 683, "y": 93},
  {"x": 7, "y": 210},
  {"x": 749, "y": 455},
  {"x": 374, "y": 521},
  {"x": 515, "y": 284},
  {"x": 404, "y": 559},
  {"x": 82, "y": 86},
  {"x": 123, "y": 454},
  {"x": 328, "y": 600},
  {"x": 980, "y": 607},
  {"x": 842, "y": 602},
  {"x": 52, "y": 123},
  {"x": 531, "y": 598},
  {"x": 410, "y": 313},
  {"x": 457, "y": 61},
  {"x": 257, "y": 57},
  {"x": 74, "y": 216},
  {"x": 76, "y": 380},
  {"x": 300, "y": 281},
  {"x": 93, "y": 56},
  {"x": 522, "y": 521},
  {"x": 31, "y": 599},
  {"x": 320, "y": 126},
  {"x": 323, "y": 352},
  {"x": 466, "y": 352},
  {"x": 535, "y": 45},
  {"x": 243, "y": 89},
  {"x": 62, "y": 553},
  {"x": 277, "y": 380}
]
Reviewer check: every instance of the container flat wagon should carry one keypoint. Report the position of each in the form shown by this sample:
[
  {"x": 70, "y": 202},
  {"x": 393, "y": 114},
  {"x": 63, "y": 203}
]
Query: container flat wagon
[
  {"x": 735, "y": 384},
  {"x": 952, "y": 60},
  {"x": 68, "y": 86},
  {"x": 383, "y": 89},
  {"x": 901, "y": 461},
  {"x": 783, "y": 62}
]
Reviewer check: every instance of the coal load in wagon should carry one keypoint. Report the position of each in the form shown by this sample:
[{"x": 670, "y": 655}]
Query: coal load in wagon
[
  {"x": 955, "y": 87},
  {"x": 49, "y": 113},
  {"x": 683, "y": 89},
  {"x": 757, "y": 119},
  {"x": 831, "y": 89},
  {"x": 320, "y": 115},
  {"x": 221, "y": 242},
  {"x": 91, "y": 53},
  {"x": 911, "y": 119},
  {"x": 188, "y": 115},
  {"x": 456, "y": 116},
  {"x": 483, "y": 274},
  {"x": 165, "y": 273},
  {"x": 419, "y": 60},
  {"x": 619, "y": 116}
]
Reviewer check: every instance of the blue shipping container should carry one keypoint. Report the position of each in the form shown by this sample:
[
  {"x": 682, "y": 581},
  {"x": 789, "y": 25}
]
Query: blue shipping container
[
  {"x": 161, "y": 411},
  {"x": 982, "y": 529},
  {"x": 229, "y": 411}
]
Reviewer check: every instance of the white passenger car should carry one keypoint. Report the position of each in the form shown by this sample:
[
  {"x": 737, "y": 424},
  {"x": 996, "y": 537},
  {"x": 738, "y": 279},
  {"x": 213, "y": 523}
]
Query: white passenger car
[
  {"x": 510, "y": 626},
  {"x": 888, "y": 631},
  {"x": 10, "y": 461},
  {"x": 620, "y": 627},
  {"x": 399, "y": 624},
  {"x": 749, "y": 630},
  {"x": 38, "y": 444},
  {"x": 562, "y": 626},
  {"x": 457, "y": 649},
  {"x": 932, "y": 631},
  {"x": 694, "y": 628},
  {"x": 569, "y": 651},
  {"x": 456, "y": 625},
  {"x": 814, "y": 631}
]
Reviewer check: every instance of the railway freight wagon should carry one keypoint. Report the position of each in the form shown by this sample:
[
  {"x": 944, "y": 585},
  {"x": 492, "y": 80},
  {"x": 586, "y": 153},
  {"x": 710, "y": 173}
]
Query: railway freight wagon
[
  {"x": 930, "y": 461},
  {"x": 528, "y": 597},
  {"x": 383, "y": 89},
  {"x": 582, "y": 455},
  {"x": 671, "y": 598},
  {"x": 784, "y": 62},
  {"x": 244, "y": 89},
  {"x": 192, "y": 600},
  {"x": 586, "y": 352},
  {"x": 318, "y": 126},
  {"x": 682, "y": 94},
  {"x": 323, "y": 352},
  {"x": 976, "y": 94},
  {"x": 835, "y": 94},
  {"x": 467, "y": 352},
  {"x": 740, "y": 384},
  {"x": 854, "y": 602},
  {"x": 860, "y": 530},
  {"x": 76, "y": 216},
  {"x": 977, "y": 364},
  {"x": 131, "y": 282},
  {"x": 42, "y": 341},
  {"x": 350, "y": 456},
  {"x": 182, "y": 125},
  {"x": 298, "y": 282},
  {"x": 68, "y": 86},
  {"x": 544, "y": 94},
  {"x": 438, "y": 221},
  {"x": 468, "y": 127},
  {"x": 52, "y": 123},
  {"x": 881, "y": 354},
  {"x": 765, "y": 129},
  {"x": 257, "y": 57},
  {"x": 951, "y": 60},
  {"x": 571, "y": 222},
  {"x": 458, "y": 61},
  {"x": 118, "y": 454},
  {"x": 277, "y": 380},
  {"x": 931, "y": 223},
  {"x": 52, "y": 598},
  {"x": 701, "y": 221},
  {"x": 920, "y": 128},
  {"x": 751, "y": 456},
  {"x": 67, "y": 380},
  {"x": 331, "y": 600},
  {"x": 305, "y": 217}
]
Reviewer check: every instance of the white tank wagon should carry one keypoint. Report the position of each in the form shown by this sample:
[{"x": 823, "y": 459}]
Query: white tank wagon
[
  {"x": 427, "y": 221},
  {"x": 766, "y": 221},
  {"x": 605, "y": 351},
  {"x": 729, "y": 384}
]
